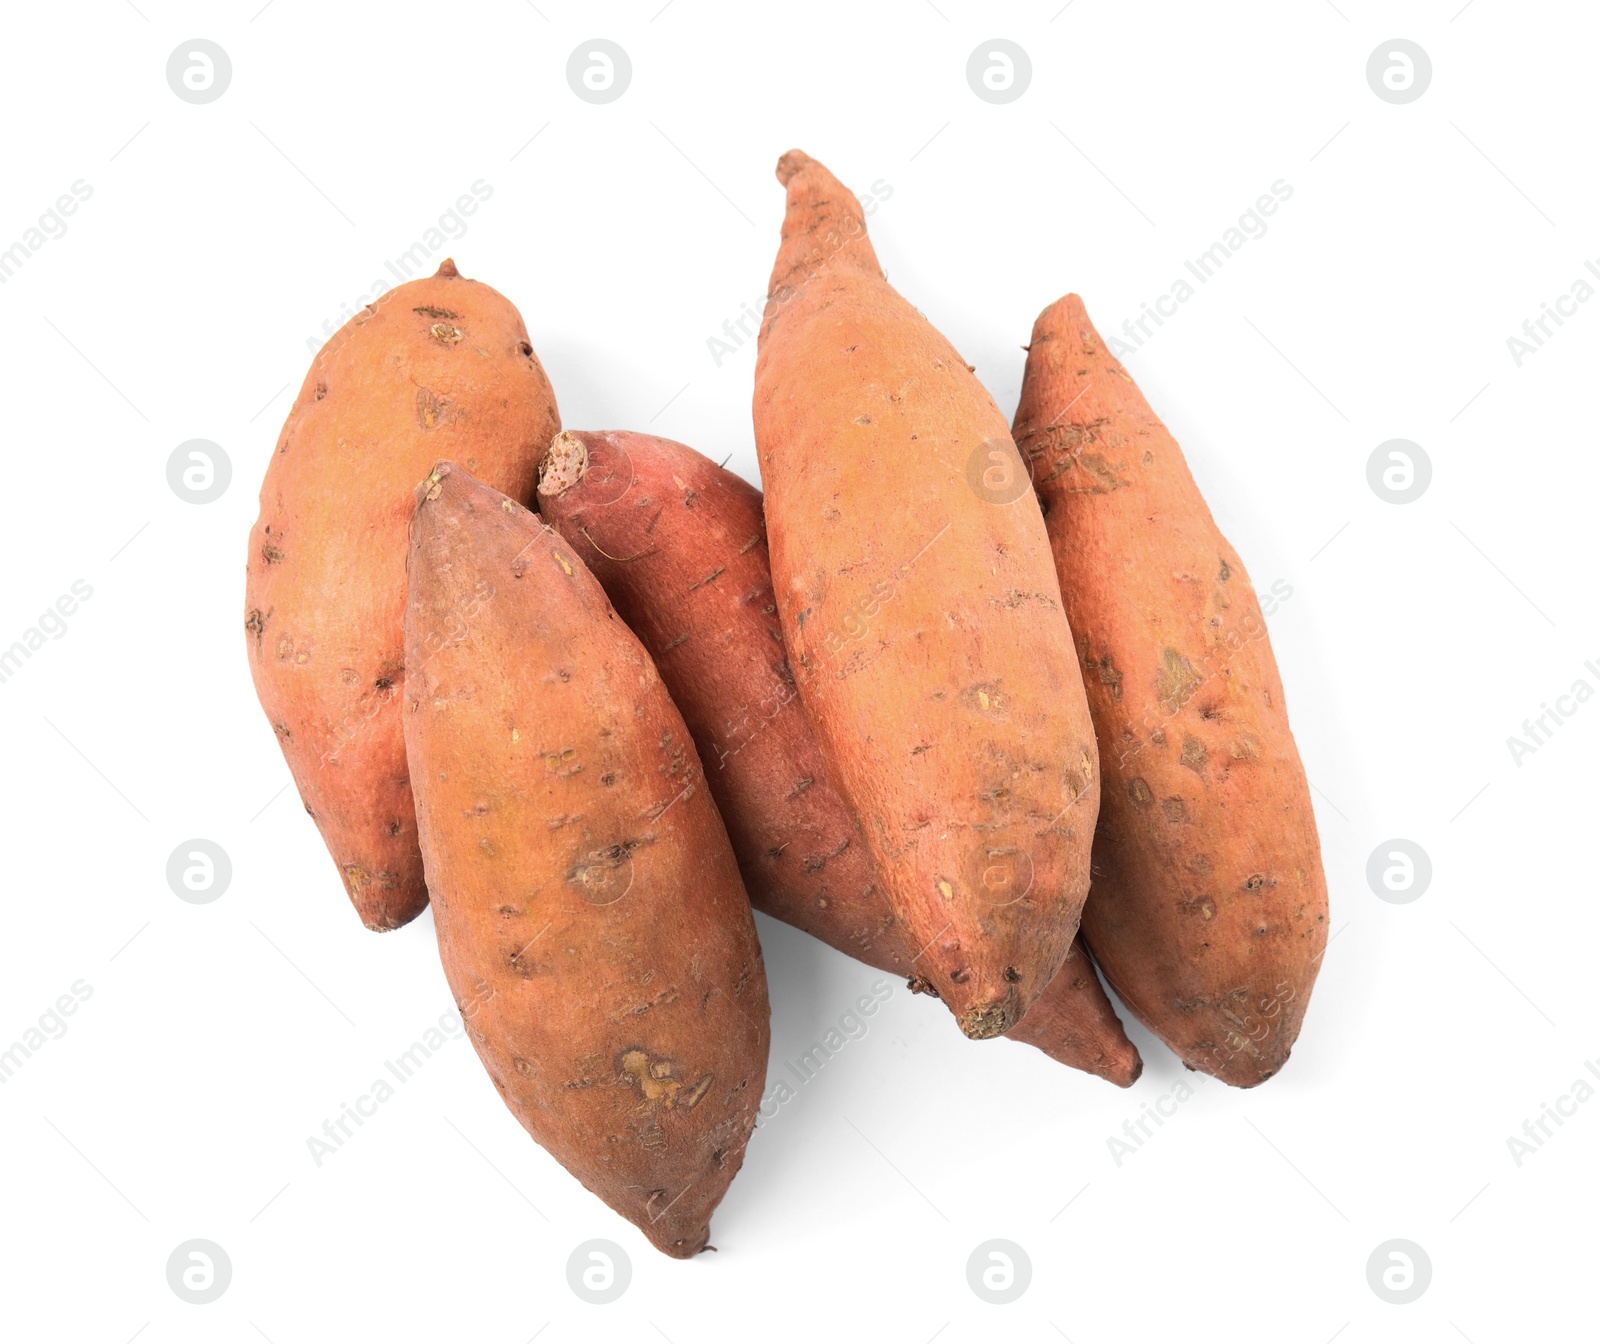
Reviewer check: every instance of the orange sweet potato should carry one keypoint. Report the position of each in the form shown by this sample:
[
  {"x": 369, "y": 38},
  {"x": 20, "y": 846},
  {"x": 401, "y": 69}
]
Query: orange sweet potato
[
  {"x": 1209, "y": 908},
  {"x": 680, "y": 547},
  {"x": 591, "y": 919},
  {"x": 435, "y": 368},
  {"x": 918, "y": 599}
]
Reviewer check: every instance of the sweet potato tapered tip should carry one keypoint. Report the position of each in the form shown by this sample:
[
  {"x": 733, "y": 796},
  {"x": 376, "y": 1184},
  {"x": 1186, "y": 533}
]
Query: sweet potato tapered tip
[
  {"x": 791, "y": 163},
  {"x": 447, "y": 268}
]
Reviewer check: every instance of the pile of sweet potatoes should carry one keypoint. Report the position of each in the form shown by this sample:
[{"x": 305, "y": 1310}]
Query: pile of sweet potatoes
[{"x": 987, "y": 707}]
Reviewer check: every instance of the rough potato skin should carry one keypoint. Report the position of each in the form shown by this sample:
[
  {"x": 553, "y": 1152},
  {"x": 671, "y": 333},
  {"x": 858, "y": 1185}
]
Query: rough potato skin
[
  {"x": 439, "y": 367},
  {"x": 679, "y": 544},
  {"x": 591, "y": 920},
  {"x": 1209, "y": 911},
  {"x": 919, "y": 603}
]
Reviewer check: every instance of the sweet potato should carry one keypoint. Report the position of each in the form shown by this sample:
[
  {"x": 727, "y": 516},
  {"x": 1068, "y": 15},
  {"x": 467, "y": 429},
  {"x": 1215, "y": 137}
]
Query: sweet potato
[
  {"x": 435, "y": 368},
  {"x": 918, "y": 599},
  {"x": 680, "y": 547},
  {"x": 591, "y": 919},
  {"x": 1209, "y": 908}
]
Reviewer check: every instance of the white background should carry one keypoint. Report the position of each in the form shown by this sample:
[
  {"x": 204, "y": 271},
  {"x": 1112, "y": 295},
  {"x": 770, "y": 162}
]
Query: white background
[{"x": 219, "y": 1037}]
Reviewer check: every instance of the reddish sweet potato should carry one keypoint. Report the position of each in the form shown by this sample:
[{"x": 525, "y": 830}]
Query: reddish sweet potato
[
  {"x": 435, "y": 368},
  {"x": 591, "y": 920},
  {"x": 1209, "y": 908},
  {"x": 680, "y": 547},
  {"x": 918, "y": 599}
]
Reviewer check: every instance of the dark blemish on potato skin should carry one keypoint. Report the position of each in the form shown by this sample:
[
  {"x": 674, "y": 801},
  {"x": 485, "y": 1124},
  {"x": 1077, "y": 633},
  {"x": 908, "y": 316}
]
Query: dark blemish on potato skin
[
  {"x": 709, "y": 578},
  {"x": 270, "y": 553},
  {"x": 1176, "y": 681},
  {"x": 431, "y": 409},
  {"x": 1194, "y": 754},
  {"x": 427, "y": 310},
  {"x": 1174, "y": 810},
  {"x": 1139, "y": 792},
  {"x": 256, "y": 624}
]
